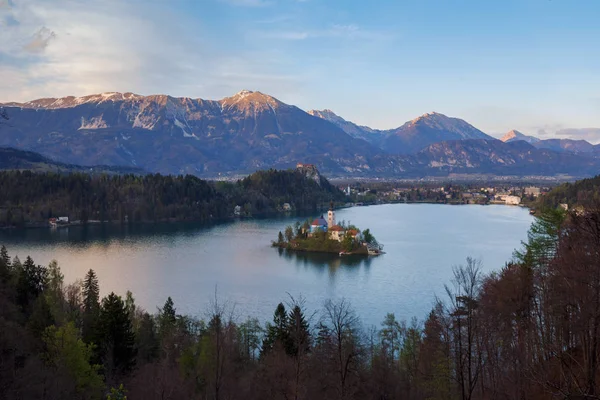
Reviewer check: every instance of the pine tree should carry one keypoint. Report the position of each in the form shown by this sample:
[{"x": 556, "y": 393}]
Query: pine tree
[
  {"x": 146, "y": 340},
  {"x": 130, "y": 305},
  {"x": 289, "y": 233},
  {"x": 542, "y": 239},
  {"x": 5, "y": 265},
  {"x": 31, "y": 283},
  {"x": 167, "y": 317},
  {"x": 276, "y": 332},
  {"x": 41, "y": 317},
  {"x": 116, "y": 336},
  {"x": 298, "y": 332},
  {"x": 91, "y": 306},
  {"x": 54, "y": 292},
  {"x": 17, "y": 269}
]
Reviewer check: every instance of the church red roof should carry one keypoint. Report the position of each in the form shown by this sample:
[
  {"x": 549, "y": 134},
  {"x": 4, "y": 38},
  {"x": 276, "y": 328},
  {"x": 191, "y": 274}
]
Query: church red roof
[{"x": 336, "y": 228}]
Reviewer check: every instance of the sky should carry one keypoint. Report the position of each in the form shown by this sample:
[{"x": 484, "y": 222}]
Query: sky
[{"x": 530, "y": 65}]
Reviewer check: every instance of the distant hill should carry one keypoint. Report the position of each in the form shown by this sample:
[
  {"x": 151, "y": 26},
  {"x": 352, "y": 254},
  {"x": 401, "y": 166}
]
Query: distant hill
[
  {"x": 569, "y": 145},
  {"x": 15, "y": 159},
  {"x": 428, "y": 129},
  {"x": 514, "y": 135},
  {"x": 585, "y": 192},
  {"x": 558, "y": 145},
  {"x": 154, "y": 197},
  {"x": 495, "y": 157}
]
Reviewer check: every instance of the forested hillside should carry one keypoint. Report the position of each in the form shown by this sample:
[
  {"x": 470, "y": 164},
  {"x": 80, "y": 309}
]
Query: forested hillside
[
  {"x": 15, "y": 159},
  {"x": 529, "y": 331},
  {"x": 585, "y": 192},
  {"x": 27, "y": 198}
]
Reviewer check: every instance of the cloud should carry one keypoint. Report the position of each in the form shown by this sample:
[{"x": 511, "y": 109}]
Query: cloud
[
  {"x": 589, "y": 134},
  {"x": 350, "y": 31},
  {"x": 6, "y": 4},
  {"x": 79, "y": 47},
  {"x": 40, "y": 40},
  {"x": 287, "y": 35}
]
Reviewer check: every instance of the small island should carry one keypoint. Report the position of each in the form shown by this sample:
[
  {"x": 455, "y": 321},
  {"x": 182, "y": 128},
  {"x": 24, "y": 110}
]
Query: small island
[{"x": 325, "y": 236}]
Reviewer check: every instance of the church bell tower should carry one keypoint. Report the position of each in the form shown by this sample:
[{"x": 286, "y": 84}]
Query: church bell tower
[{"x": 330, "y": 216}]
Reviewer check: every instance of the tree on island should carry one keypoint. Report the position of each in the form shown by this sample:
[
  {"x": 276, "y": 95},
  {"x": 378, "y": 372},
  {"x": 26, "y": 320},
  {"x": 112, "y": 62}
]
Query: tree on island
[
  {"x": 289, "y": 234},
  {"x": 348, "y": 243},
  {"x": 369, "y": 238}
]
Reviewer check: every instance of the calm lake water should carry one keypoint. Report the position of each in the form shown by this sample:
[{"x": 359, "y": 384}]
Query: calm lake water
[{"x": 187, "y": 262}]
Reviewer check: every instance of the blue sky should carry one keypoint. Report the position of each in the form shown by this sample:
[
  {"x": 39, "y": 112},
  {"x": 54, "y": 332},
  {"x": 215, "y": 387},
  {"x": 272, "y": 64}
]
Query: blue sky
[{"x": 531, "y": 65}]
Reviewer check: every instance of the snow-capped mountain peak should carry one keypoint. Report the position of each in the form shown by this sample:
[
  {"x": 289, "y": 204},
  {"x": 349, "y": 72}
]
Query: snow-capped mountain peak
[
  {"x": 243, "y": 93},
  {"x": 514, "y": 135}
]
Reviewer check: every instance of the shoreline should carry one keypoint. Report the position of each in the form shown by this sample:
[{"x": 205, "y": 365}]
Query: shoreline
[{"x": 42, "y": 225}]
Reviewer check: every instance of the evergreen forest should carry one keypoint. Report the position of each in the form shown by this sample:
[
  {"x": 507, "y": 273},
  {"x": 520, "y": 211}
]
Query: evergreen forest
[
  {"x": 582, "y": 193},
  {"x": 30, "y": 199}
]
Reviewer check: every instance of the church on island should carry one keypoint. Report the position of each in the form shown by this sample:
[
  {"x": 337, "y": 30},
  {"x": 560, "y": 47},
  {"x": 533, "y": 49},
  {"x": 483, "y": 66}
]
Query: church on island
[{"x": 336, "y": 232}]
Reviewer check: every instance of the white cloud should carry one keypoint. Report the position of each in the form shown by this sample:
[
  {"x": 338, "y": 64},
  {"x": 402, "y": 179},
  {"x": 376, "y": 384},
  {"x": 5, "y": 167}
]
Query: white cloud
[
  {"x": 590, "y": 134},
  {"x": 78, "y": 47},
  {"x": 350, "y": 31}
]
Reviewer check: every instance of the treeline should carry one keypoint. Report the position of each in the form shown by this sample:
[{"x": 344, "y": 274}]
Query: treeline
[
  {"x": 528, "y": 331},
  {"x": 584, "y": 193},
  {"x": 28, "y": 198}
]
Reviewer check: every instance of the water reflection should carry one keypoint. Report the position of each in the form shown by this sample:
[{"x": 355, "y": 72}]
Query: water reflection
[
  {"x": 323, "y": 262},
  {"x": 104, "y": 233}
]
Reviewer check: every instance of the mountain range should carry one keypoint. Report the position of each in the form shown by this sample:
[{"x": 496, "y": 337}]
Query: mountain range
[
  {"x": 559, "y": 145},
  {"x": 252, "y": 130}
]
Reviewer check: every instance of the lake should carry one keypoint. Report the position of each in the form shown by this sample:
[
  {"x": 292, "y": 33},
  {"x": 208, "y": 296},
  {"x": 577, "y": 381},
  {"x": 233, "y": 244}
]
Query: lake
[{"x": 189, "y": 262}]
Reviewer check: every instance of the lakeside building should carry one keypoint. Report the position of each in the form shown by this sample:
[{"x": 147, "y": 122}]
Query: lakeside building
[
  {"x": 512, "y": 200},
  {"x": 532, "y": 191},
  {"x": 58, "y": 221}
]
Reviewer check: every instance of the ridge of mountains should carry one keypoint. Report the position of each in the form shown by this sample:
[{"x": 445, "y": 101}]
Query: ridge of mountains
[
  {"x": 251, "y": 130},
  {"x": 570, "y": 145}
]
